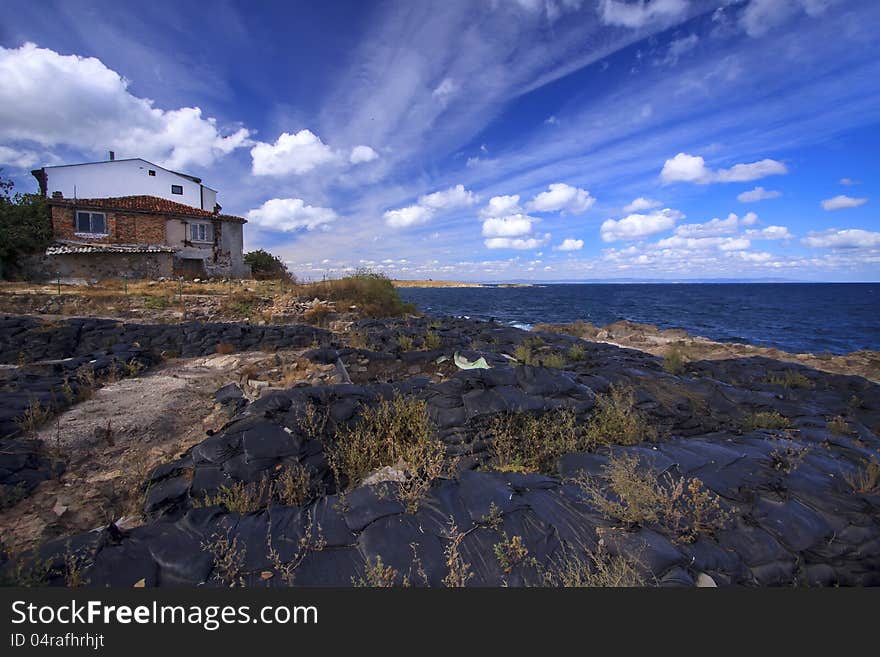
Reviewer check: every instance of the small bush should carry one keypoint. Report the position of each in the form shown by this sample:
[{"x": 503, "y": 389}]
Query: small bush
[
  {"x": 790, "y": 379},
  {"x": 617, "y": 421},
  {"x": 766, "y": 420},
  {"x": 458, "y": 571},
  {"x": 594, "y": 569},
  {"x": 432, "y": 341},
  {"x": 373, "y": 293},
  {"x": 577, "y": 352},
  {"x": 838, "y": 425},
  {"x": 522, "y": 442},
  {"x": 634, "y": 494},
  {"x": 675, "y": 360},
  {"x": 224, "y": 348},
  {"x": 229, "y": 558},
  {"x": 265, "y": 266},
  {"x": 405, "y": 342},
  {"x": 376, "y": 575},
  {"x": 35, "y": 416},
  {"x": 317, "y": 314},
  {"x": 553, "y": 359},
  {"x": 394, "y": 433},
  {"x": 156, "y": 302},
  {"x": 292, "y": 485},
  {"x": 240, "y": 497},
  {"x": 865, "y": 480},
  {"x": 511, "y": 552}
]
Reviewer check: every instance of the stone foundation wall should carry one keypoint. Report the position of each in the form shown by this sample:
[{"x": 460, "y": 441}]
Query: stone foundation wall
[
  {"x": 98, "y": 266},
  {"x": 28, "y": 339}
]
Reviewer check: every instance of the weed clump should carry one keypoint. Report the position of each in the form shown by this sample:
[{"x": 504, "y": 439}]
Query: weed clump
[
  {"x": 394, "y": 433},
  {"x": 675, "y": 360},
  {"x": 766, "y": 420},
  {"x": 790, "y": 379},
  {"x": 594, "y": 569},
  {"x": 522, "y": 442},
  {"x": 838, "y": 425},
  {"x": 617, "y": 421},
  {"x": 866, "y": 479},
  {"x": 372, "y": 292},
  {"x": 633, "y": 494}
]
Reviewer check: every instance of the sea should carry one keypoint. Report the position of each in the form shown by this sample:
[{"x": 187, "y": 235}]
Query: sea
[{"x": 794, "y": 317}]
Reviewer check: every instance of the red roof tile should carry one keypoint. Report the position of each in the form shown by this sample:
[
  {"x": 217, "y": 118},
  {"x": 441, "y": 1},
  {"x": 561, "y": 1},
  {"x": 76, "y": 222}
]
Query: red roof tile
[{"x": 152, "y": 204}]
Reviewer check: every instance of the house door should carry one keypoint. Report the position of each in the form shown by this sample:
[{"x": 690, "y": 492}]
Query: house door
[{"x": 189, "y": 267}]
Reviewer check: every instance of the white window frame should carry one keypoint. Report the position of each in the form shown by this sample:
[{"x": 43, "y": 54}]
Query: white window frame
[
  {"x": 91, "y": 232},
  {"x": 201, "y": 232}
]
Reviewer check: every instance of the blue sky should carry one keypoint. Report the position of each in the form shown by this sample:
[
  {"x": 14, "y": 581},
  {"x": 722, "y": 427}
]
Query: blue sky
[{"x": 481, "y": 139}]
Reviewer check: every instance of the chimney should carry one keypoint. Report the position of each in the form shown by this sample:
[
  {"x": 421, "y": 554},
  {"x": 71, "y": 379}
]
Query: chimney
[
  {"x": 112, "y": 156},
  {"x": 57, "y": 194}
]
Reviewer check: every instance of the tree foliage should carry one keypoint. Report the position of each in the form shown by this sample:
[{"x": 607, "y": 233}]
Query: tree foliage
[
  {"x": 25, "y": 224},
  {"x": 264, "y": 266}
]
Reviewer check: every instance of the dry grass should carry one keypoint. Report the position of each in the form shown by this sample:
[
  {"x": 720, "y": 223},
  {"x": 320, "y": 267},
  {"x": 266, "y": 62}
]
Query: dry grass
[
  {"x": 317, "y": 315},
  {"x": 372, "y": 293},
  {"x": 432, "y": 341},
  {"x": 595, "y": 569},
  {"x": 224, "y": 348},
  {"x": 634, "y": 494},
  {"x": 458, "y": 571},
  {"x": 577, "y": 353},
  {"x": 376, "y": 575},
  {"x": 511, "y": 552},
  {"x": 34, "y": 416},
  {"x": 766, "y": 420},
  {"x": 865, "y": 480},
  {"x": 617, "y": 421},
  {"x": 229, "y": 558},
  {"x": 838, "y": 425},
  {"x": 522, "y": 442},
  {"x": 790, "y": 379},
  {"x": 675, "y": 360},
  {"x": 405, "y": 342},
  {"x": 394, "y": 433}
]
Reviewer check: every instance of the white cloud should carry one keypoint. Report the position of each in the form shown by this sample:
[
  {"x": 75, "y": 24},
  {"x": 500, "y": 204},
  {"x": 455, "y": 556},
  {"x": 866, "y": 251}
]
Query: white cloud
[
  {"x": 287, "y": 214},
  {"x": 448, "y": 199},
  {"x": 570, "y": 244},
  {"x": 635, "y": 15},
  {"x": 362, "y": 154},
  {"x": 849, "y": 182},
  {"x": 20, "y": 159},
  {"x": 291, "y": 153},
  {"x": 445, "y": 89},
  {"x": 770, "y": 233},
  {"x": 757, "y": 194},
  {"x": 760, "y": 16},
  {"x": 500, "y": 206},
  {"x": 636, "y": 226},
  {"x": 429, "y": 204},
  {"x": 851, "y": 238},
  {"x": 551, "y": 120},
  {"x": 716, "y": 226},
  {"x": 692, "y": 168},
  {"x": 564, "y": 198},
  {"x": 519, "y": 243},
  {"x": 54, "y": 99},
  {"x": 842, "y": 202},
  {"x": 409, "y": 216},
  {"x": 696, "y": 243},
  {"x": 515, "y": 225},
  {"x": 642, "y": 203},
  {"x": 679, "y": 47}
]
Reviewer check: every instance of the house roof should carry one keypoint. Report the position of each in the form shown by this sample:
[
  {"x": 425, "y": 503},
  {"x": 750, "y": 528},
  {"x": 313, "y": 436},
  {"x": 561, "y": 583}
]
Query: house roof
[
  {"x": 67, "y": 247},
  {"x": 146, "y": 204},
  {"x": 125, "y": 159}
]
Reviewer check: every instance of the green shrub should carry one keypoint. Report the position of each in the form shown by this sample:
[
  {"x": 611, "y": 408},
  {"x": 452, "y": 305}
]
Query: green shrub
[
  {"x": 617, "y": 421},
  {"x": 523, "y": 442},
  {"x": 265, "y": 266}
]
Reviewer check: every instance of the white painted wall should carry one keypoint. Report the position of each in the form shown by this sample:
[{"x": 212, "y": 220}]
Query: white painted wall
[
  {"x": 123, "y": 178},
  {"x": 209, "y": 199}
]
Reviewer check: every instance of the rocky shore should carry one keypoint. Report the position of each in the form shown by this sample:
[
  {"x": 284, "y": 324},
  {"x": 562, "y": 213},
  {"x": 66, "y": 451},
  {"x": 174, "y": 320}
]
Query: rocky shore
[{"x": 449, "y": 452}]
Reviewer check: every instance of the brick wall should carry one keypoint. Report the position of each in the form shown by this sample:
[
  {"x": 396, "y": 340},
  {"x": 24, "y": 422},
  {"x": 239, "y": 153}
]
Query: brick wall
[{"x": 123, "y": 228}]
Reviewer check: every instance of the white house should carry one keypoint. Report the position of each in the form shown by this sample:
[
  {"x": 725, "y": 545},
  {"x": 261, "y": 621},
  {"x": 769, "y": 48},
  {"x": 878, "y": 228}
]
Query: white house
[{"x": 117, "y": 178}]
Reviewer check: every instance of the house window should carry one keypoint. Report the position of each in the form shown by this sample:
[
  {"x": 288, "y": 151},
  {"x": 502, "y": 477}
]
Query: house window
[
  {"x": 151, "y": 172},
  {"x": 94, "y": 223},
  {"x": 201, "y": 232},
  {"x": 177, "y": 189}
]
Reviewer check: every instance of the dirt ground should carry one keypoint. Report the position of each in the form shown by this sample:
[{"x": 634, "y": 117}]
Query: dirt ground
[{"x": 111, "y": 441}]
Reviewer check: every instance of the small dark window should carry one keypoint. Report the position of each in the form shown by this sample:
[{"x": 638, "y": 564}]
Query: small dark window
[
  {"x": 177, "y": 189},
  {"x": 94, "y": 223},
  {"x": 151, "y": 172}
]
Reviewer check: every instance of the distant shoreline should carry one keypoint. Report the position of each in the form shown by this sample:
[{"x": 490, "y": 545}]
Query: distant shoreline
[{"x": 430, "y": 283}]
